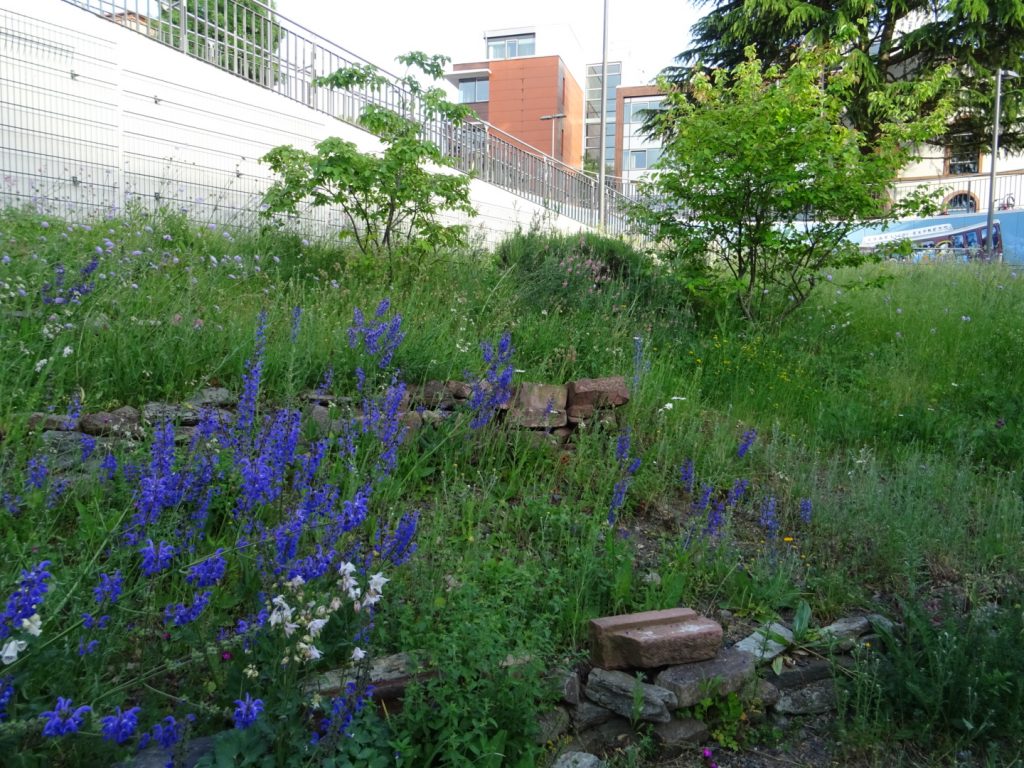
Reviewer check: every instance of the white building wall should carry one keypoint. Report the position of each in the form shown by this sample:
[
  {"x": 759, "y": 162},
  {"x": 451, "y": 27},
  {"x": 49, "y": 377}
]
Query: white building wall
[{"x": 94, "y": 116}]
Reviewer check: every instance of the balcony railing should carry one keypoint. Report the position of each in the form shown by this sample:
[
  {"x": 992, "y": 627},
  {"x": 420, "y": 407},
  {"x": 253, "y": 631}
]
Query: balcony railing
[{"x": 253, "y": 41}]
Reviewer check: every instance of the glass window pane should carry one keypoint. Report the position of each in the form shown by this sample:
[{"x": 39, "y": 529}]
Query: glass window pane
[
  {"x": 638, "y": 158},
  {"x": 467, "y": 91},
  {"x": 511, "y": 49},
  {"x": 526, "y": 46},
  {"x": 496, "y": 50}
]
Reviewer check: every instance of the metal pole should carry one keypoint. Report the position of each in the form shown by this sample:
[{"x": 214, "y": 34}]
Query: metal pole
[
  {"x": 989, "y": 240},
  {"x": 602, "y": 201}
]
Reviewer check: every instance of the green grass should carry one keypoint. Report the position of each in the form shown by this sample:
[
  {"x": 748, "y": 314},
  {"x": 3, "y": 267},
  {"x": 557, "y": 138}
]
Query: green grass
[{"x": 899, "y": 417}]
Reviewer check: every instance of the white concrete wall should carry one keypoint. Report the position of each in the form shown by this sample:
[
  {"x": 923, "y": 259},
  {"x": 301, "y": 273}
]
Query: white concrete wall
[{"x": 94, "y": 115}]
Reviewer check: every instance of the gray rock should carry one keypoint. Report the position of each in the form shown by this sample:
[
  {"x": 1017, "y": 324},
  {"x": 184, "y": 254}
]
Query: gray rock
[
  {"x": 730, "y": 670},
  {"x": 613, "y": 733},
  {"x": 881, "y": 624},
  {"x": 587, "y": 714},
  {"x": 552, "y": 726},
  {"x": 64, "y": 451},
  {"x": 214, "y": 397},
  {"x": 803, "y": 672},
  {"x": 123, "y": 421},
  {"x": 767, "y": 694},
  {"x": 52, "y": 422},
  {"x": 678, "y": 733},
  {"x": 578, "y": 760},
  {"x": 844, "y": 632},
  {"x": 157, "y": 757},
  {"x": 568, "y": 684},
  {"x": 160, "y": 413},
  {"x": 812, "y": 699},
  {"x": 617, "y": 690},
  {"x": 762, "y": 645},
  {"x": 432, "y": 418}
]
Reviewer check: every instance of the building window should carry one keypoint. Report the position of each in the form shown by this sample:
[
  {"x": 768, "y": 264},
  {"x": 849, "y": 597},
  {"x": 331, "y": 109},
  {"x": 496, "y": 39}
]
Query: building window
[
  {"x": 961, "y": 202},
  {"x": 474, "y": 90},
  {"x": 511, "y": 47},
  {"x": 638, "y": 159},
  {"x": 960, "y": 162},
  {"x": 637, "y": 111}
]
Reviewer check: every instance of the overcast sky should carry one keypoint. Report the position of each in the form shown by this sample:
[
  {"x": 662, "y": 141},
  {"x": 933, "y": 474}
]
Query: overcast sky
[{"x": 644, "y": 34}]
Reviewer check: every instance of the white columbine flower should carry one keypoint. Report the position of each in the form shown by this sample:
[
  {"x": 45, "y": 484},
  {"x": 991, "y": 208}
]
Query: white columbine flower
[
  {"x": 315, "y": 626},
  {"x": 11, "y": 649},
  {"x": 309, "y": 651},
  {"x": 33, "y": 625},
  {"x": 377, "y": 582},
  {"x": 358, "y": 654}
]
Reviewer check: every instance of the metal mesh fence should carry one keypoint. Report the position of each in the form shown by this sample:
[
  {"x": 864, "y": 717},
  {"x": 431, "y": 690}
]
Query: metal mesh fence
[{"x": 250, "y": 40}]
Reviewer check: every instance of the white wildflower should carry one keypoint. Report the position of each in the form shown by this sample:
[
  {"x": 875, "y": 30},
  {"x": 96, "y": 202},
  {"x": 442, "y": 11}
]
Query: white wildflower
[
  {"x": 33, "y": 625},
  {"x": 11, "y": 649},
  {"x": 316, "y": 626},
  {"x": 41, "y": 364},
  {"x": 358, "y": 654},
  {"x": 67, "y": 352},
  {"x": 377, "y": 582}
]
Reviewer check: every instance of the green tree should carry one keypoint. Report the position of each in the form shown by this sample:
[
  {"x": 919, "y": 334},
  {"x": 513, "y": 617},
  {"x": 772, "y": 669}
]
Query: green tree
[
  {"x": 755, "y": 154},
  {"x": 393, "y": 199},
  {"x": 240, "y": 36},
  {"x": 894, "y": 42}
]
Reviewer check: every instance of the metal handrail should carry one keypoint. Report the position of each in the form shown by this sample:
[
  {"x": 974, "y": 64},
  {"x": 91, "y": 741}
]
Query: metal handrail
[{"x": 249, "y": 39}]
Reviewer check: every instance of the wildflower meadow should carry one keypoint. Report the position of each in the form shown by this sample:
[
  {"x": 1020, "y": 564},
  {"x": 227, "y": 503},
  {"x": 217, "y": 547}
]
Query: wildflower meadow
[{"x": 292, "y": 505}]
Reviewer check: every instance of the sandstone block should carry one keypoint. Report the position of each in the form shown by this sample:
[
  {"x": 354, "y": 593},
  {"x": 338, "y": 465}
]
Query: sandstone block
[
  {"x": 653, "y": 639},
  {"x": 625, "y": 695},
  {"x": 601, "y": 393},
  {"x": 730, "y": 671},
  {"x": 539, "y": 406}
]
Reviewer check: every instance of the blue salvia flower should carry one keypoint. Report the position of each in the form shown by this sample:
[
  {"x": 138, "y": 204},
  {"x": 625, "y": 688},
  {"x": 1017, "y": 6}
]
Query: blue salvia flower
[
  {"x": 397, "y": 547},
  {"x": 37, "y": 472},
  {"x": 88, "y": 446},
  {"x": 109, "y": 467},
  {"x": 700, "y": 504},
  {"x": 296, "y": 321},
  {"x": 84, "y": 648},
  {"x": 247, "y": 711},
  {"x": 716, "y": 519},
  {"x": 246, "y": 412},
  {"x": 622, "y": 446},
  {"x": 209, "y": 571},
  {"x": 109, "y": 588},
  {"x": 768, "y": 520},
  {"x": 746, "y": 442},
  {"x": 64, "y": 719},
  {"x": 687, "y": 476},
  {"x": 120, "y": 726},
  {"x": 739, "y": 489},
  {"x": 156, "y": 557},
  {"x": 166, "y": 733},
  {"x": 380, "y": 340},
  {"x": 805, "y": 511},
  {"x": 494, "y": 388},
  {"x": 181, "y": 614},
  {"x": 326, "y": 381},
  {"x": 22, "y": 603},
  {"x": 73, "y": 413},
  {"x": 6, "y": 694}
]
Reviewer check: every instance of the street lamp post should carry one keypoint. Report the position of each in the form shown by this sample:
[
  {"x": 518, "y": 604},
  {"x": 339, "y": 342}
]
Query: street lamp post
[
  {"x": 989, "y": 229},
  {"x": 552, "y": 118}
]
